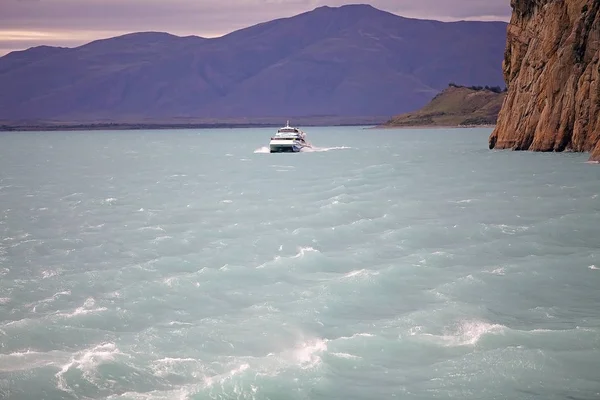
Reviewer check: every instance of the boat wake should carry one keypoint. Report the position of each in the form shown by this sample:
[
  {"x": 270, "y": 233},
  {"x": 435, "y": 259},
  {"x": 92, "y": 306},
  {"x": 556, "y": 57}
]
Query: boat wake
[
  {"x": 265, "y": 149},
  {"x": 323, "y": 149},
  {"x": 262, "y": 150}
]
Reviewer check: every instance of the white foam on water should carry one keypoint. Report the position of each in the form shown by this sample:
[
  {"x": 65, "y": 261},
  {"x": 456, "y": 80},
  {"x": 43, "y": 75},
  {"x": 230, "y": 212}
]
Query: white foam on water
[
  {"x": 49, "y": 299},
  {"x": 179, "y": 323},
  {"x": 356, "y": 335},
  {"x": 323, "y": 149},
  {"x": 307, "y": 354},
  {"x": 346, "y": 356},
  {"x": 262, "y": 150},
  {"x": 49, "y": 273},
  {"x": 87, "y": 362},
  {"x": 415, "y": 330},
  {"x": 593, "y": 267},
  {"x": 507, "y": 229},
  {"x": 362, "y": 273},
  {"x": 303, "y": 250},
  {"x": 209, "y": 381},
  {"x": 177, "y": 394},
  {"x": 152, "y": 228},
  {"x": 467, "y": 333},
  {"x": 500, "y": 271},
  {"x": 170, "y": 280},
  {"x": 161, "y": 239},
  {"x": 29, "y": 359},
  {"x": 265, "y": 149},
  {"x": 274, "y": 260},
  {"x": 87, "y": 308},
  {"x": 168, "y": 366}
]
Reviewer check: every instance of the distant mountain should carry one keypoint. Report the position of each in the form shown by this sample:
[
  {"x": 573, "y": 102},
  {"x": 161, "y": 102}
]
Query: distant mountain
[
  {"x": 352, "y": 60},
  {"x": 455, "y": 106}
]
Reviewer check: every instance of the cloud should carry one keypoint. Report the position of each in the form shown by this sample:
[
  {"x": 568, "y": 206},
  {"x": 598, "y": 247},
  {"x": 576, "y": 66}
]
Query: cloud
[{"x": 74, "y": 22}]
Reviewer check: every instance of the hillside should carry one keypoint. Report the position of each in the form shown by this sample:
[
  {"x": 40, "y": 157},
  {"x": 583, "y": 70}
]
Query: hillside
[
  {"x": 455, "y": 106},
  {"x": 352, "y": 60}
]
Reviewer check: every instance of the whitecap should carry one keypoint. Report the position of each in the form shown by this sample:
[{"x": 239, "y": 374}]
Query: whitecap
[
  {"x": 49, "y": 273},
  {"x": 161, "y": 239},
  {"x": 303, "y": 250},
  {"x": 497, "y": 271},
  {"x": 467, "y": 333},
  {"x": 151, "y": 228},
  {"x": 167, "y": 366},
  {"x": 87, "y": 308},
  {"x": 360, "y": 273},
  {"x": 49, "y": 300},
  {"x": 87, "y": 361},
  {"x": 307, "y": 354},
  {"x": 346, "y": 356},
  {"x": 356, "y": 335},
  {"x": 209, "y": 381},
  {"x": 29, "y": 359}
]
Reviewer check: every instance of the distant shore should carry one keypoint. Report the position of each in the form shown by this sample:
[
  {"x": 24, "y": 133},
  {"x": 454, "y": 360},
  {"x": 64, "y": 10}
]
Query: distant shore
[
  {"x": 432, "y": 126},
  {"x": 8, "y": 126},
  {"x": 142, "y": 126}
]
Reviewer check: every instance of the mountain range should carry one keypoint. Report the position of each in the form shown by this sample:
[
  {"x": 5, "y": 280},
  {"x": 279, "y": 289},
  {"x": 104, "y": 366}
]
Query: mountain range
[{"x": 347, "y": 61}]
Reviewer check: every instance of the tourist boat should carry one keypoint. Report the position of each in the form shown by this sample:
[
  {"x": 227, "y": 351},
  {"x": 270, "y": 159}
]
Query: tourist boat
[{"x": 288, "y": 140}]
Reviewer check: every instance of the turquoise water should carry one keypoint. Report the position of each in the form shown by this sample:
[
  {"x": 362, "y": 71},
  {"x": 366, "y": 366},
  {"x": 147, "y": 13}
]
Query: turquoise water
[{"x": 408, "y": 264}]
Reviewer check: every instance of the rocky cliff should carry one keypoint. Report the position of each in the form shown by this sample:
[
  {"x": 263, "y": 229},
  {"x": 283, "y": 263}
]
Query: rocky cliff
[{"x": 551, "y": 67}]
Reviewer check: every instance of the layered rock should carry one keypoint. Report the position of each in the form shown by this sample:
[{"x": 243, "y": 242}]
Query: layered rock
[{"x": 551, "y": 67}]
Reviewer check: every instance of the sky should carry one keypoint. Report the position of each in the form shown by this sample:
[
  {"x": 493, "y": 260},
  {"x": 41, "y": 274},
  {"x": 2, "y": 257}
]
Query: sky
[{"x": 27, "y": 23}]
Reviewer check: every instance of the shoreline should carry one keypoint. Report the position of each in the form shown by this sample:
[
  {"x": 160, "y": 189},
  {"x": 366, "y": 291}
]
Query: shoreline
[
  {"x": 432, "y": 126},
  {"x": 128, "y": 127},
  {"x": 114, "y": 126},
  {"x": 132, "y": 127}
]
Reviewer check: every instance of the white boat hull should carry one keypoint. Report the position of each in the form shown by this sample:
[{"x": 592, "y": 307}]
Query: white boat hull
[{"x": 284, "y": 146}]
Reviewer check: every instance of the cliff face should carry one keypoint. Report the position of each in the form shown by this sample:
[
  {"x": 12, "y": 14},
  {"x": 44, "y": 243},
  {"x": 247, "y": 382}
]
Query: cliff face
[{"x": 551, "y": 67}]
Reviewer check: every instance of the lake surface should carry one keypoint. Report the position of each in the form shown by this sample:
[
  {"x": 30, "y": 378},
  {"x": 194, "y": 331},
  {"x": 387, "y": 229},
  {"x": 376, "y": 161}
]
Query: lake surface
[{"x": 408, "y": 264}]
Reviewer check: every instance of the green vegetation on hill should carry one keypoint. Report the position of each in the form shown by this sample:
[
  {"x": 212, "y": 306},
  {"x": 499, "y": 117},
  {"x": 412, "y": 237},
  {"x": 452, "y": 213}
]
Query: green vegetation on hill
[
  {"x": 495, "y": 89},
  {"x": 456, "y": 106}
]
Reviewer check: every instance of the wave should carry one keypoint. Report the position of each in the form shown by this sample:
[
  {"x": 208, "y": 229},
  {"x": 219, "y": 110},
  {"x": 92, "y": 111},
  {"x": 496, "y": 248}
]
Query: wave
[
  {"x": 87, "y": 308},
  {"x": 29, "y": 359},
  {"x": 467, "y": 333},
  {"x": 323, "y": 149},
  {"x": 361, "y": 273},
  {"x": 87, "y": 362},
  {"x": 265, "y": 149}
]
